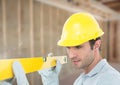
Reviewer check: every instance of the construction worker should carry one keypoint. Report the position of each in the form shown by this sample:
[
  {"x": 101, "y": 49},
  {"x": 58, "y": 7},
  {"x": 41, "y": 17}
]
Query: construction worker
[{"x": 81, "y": 36}]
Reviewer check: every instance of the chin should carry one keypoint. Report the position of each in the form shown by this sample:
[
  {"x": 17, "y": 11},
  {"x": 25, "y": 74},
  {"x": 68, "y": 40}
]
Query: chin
[{"x": 78, "y": 67}]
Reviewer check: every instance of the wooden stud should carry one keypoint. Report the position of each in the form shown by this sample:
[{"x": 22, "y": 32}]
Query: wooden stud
[{"x": 4, "y": 28}]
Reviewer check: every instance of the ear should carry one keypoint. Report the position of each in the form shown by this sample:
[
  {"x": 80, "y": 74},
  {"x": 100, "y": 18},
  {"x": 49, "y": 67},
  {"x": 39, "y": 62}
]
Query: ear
[{"x": 97, "y": 44}]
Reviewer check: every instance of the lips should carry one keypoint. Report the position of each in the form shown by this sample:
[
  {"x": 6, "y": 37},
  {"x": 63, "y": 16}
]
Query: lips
[{"x": 76, "y": 62}]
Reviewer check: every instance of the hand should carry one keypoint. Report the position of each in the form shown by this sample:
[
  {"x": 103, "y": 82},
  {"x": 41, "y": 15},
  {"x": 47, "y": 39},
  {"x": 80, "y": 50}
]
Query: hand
[
  {"x": 5, "y": 83},
  {"x": 19, "y": 74},
  {"x": 50, "y": 75}
]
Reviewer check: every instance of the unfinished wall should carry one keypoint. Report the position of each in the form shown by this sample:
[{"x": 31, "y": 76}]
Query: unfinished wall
[
  {"x": 29, "y": 28},
  {"x": 114, "y": 44}
]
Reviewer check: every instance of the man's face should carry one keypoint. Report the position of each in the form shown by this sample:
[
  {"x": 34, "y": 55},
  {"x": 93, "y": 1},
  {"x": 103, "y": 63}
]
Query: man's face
[{"x": 81, "y": 56}]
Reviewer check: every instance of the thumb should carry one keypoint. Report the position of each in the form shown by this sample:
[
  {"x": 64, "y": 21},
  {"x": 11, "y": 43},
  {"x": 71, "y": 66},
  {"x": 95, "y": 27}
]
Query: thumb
[{"x": 58, "y": 67}]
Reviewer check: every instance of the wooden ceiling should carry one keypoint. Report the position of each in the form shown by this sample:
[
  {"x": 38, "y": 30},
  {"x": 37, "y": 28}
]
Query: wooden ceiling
[
  {"x": 113, "y": 4},
  {"x": 106, "y": 9}
]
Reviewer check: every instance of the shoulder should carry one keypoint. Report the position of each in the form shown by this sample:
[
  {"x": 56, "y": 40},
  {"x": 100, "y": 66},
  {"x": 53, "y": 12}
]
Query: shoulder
[{"x": 110, "y": 77}]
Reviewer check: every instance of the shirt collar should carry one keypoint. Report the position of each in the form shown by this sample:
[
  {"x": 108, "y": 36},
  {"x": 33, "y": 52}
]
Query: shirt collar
[{"x": 97, "y": 68}]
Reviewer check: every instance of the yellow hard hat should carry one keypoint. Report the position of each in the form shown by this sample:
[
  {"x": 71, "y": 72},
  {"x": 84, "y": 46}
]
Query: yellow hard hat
[{"x": 79, "y": 28}]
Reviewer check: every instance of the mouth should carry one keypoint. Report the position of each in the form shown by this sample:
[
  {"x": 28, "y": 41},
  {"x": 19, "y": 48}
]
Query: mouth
[{"x": 76, "y": 62}]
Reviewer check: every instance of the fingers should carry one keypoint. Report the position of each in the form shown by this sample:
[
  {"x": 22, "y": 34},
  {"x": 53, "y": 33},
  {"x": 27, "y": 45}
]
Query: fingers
[
  {"x": 58, "y": 67},
  {"x": 17, "y": 69},
  {"x": 45, "y": 72},
  {"x": 19, "y": 74}
]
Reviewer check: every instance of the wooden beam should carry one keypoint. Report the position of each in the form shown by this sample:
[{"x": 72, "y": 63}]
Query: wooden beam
[
  {"x": 4, "y": 28},
  {"x": 106, "y": 1},
  {"x": 19, "y": 26},
  {"x": 31, "y": 28},
  {"x": 97, "y": 9}
]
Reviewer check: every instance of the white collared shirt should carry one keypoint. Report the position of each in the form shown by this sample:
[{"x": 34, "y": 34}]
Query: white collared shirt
[{"x": 101, "y": 74}]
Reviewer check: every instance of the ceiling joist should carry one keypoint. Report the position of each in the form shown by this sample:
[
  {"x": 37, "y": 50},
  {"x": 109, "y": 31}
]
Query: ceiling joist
[{"x": 91, "y": 6}]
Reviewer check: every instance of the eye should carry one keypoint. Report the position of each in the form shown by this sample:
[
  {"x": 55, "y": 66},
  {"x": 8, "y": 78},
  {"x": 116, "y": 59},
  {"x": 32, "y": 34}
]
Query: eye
[
  {"x": 68, "y": 47},
  {"x": 78, "y": 47}
]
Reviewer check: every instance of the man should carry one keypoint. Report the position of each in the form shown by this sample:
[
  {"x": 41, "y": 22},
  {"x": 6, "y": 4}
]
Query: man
[{"x": 81, "y": 37}]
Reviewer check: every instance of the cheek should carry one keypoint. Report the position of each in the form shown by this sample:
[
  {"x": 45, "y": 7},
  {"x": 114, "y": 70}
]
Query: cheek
[
  {"x": 84, "y": 53},
  {"x": 88, "y": 58}
]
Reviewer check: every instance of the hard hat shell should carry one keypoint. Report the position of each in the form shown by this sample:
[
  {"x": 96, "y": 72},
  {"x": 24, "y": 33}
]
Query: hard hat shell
[{"x": 79, "y": 28}]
